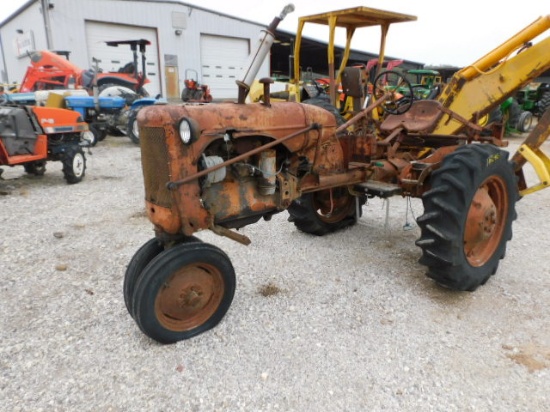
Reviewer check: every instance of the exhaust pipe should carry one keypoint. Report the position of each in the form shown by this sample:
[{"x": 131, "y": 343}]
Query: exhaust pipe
[{"x": 256, "y": 59}]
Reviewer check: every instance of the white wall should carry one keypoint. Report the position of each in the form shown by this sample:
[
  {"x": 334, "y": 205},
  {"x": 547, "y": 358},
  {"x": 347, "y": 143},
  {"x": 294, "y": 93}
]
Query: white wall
[{"x": 30, "y": 21}]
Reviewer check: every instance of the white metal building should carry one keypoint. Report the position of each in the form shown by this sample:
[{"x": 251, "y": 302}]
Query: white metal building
[{"x": 186, "y": 41}]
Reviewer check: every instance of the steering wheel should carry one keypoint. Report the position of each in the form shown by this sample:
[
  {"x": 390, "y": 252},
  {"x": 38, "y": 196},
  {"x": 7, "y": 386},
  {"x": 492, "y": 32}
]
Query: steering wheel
[{"x": 402, "y": 95}]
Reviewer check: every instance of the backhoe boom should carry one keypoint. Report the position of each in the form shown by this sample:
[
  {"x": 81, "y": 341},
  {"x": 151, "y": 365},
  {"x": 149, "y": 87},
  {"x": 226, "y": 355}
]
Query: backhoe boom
[{"x": 479, "y": 88}]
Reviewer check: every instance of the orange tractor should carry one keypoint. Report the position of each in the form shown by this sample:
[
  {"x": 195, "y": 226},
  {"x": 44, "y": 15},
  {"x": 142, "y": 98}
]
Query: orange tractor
[
  {"x": 50, "y": 70},
  {"x": 30, "y": 136},
  {"x": 224, "y": 166},
  {"x": 194, "y": 92}
]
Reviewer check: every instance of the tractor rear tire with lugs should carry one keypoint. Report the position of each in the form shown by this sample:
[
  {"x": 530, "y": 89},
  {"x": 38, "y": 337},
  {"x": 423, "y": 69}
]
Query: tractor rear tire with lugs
[
  {"x": 326, "y": 211},
  {"x": 468, "y": 215},
  {"x": 544, "y": 103}
]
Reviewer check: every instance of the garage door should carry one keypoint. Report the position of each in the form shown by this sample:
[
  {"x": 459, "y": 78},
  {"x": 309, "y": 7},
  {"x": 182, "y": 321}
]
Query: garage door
[
  {"x": 113, "y": 58},
  {"x": 222, "y": 61}
]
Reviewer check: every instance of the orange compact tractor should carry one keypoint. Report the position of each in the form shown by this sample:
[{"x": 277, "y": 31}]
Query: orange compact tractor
[
  {"x": 224, "y": 166},
  {"x": 50, "y": 70},
  {"x": 31, "y": 135},
  {"x": 194, "y": 92}
]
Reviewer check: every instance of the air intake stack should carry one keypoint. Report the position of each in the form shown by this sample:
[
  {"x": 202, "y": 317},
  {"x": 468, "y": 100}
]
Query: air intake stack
[{"x": 256, "y": 59}]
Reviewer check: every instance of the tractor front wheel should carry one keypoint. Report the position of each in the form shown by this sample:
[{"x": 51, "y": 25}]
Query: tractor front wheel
[
  {"x": 37, "y": 168},
  {"x": 468, "y": 215},
  {"x": 326, "y": 211},
  {"x": 74, "y": 164},
  {"x": 145, "y": 254},
  {"x": 132, "y": 129},
  {"x": 184, "y": 291},
  {"x": 99, "y": 133},
  {"x": 524, "y": 122}
]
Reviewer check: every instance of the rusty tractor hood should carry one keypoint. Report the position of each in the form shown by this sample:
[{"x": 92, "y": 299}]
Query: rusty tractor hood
[
  {"x": 277, "y": 120},
  {"x": 165, "y": 158}
]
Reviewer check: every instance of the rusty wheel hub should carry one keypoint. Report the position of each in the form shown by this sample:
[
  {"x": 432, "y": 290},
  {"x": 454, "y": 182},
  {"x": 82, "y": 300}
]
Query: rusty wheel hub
[
  {"x": 189, "y": 297},
  {"x": 485, "y": 221}
]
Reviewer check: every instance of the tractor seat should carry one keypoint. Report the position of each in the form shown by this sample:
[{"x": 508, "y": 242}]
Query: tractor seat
[{"x": 422, "y": 117}]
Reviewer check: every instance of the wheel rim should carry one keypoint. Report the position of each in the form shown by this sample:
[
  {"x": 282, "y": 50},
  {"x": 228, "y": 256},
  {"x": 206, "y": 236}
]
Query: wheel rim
[
  {"x": 486, "y": 221},
  {"x": 332, "y": 205},
  {"x": 78, "y": 165},
  {"x": 135, "y": 129},
  {"x": 527, "y": 123},
  {"x": 189, "y": 297}
]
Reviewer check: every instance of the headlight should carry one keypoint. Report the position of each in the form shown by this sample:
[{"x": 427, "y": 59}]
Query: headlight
[{"x": 187, "y": 131}]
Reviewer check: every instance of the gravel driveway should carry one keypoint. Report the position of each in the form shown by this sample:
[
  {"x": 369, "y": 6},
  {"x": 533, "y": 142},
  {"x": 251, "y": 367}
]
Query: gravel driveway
[{"x": 347, "y": 322}]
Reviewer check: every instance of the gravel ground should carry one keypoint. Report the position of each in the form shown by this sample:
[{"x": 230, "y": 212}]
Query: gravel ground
[{"x": 348, "y": 322}]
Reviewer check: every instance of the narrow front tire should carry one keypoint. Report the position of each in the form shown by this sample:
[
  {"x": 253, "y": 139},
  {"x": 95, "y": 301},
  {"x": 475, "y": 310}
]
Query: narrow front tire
[{"x": 184, "y": 291}]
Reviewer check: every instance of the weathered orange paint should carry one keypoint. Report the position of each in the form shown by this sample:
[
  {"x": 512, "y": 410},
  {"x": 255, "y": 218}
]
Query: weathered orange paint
[
  {"x": 167, "y": 219},
  {"x": 55, "y": 117},
  {"x": 229, "y": 200},
  {"x": 40, "y": 153}
]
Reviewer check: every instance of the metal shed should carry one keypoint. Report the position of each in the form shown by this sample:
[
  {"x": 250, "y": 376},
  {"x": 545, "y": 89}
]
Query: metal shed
[{"x": 184, "y": 39}]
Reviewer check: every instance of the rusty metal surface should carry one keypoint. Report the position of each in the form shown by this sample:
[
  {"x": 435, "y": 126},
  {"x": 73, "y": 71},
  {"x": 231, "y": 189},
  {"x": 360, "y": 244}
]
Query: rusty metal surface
[
  {"x": 190, "y": 296},
  {"x": 201, "y": 207},
  {"x": 247, "y": 152},
  {"x": 165, "y": 219},
  {"x": 237, "y": 198},
  {"x": 422, "y": 117},
  {"x": 154, "y": 164},
  {"x": 486, "y": 221},
  {"x": 536, "y": 138},
  {"x": 413, "y": 176}
]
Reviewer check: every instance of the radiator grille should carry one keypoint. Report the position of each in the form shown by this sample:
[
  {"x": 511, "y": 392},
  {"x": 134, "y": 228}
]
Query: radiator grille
[{"x": 154, "y": 162}]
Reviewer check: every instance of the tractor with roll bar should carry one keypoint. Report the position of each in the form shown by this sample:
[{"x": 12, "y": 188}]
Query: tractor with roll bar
[
  {"x": 223, "y": 166},
  {"x": 113, "y": 98}
]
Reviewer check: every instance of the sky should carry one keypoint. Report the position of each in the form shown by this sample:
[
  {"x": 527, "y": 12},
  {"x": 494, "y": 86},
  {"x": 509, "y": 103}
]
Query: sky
[{"x": 446, "y": 33}]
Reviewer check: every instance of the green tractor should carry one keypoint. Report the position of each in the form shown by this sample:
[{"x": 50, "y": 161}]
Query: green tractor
[
  {"x": 426, "y": 83},
  {"x": 535, "y": 98},
  {"x": 531, "y": 101}
]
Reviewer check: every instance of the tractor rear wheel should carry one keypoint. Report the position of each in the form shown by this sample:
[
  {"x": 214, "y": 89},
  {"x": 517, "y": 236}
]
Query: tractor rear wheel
[
  {"x": 326, "y": 211},
  {"x": 544, "y": 103},
  {"x": 468, "y": 215},
  {"x": 325, "y": 104},
  {"x": 184, "y": 291},
  {"x": 74, "y": 164}
]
